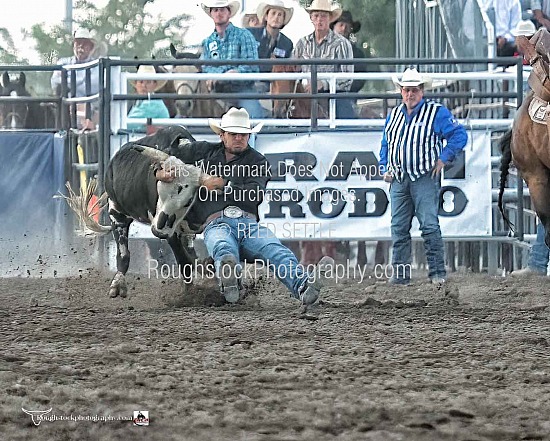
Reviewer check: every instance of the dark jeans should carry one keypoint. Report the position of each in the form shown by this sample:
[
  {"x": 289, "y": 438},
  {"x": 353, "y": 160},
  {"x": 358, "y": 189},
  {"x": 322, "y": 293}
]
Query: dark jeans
[
  {"x": 539, "y": 254},
  {"x": 418, "y": 198}
]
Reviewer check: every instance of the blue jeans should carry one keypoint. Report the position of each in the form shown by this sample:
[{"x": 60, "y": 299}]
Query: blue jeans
[
  {"x": 539, "y": 254},
  {"x": 418, "y": 198},
  {"x": 245, "y": 239},
  {"x": 344, "y": 109}
]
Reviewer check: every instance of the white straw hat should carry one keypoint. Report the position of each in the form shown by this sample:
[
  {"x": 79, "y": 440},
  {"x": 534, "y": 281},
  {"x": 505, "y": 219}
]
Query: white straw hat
[
  {"x": 277, "y": 4},
  {"x": 524, "y": 27},
  {"x": 84, "y": 34},
  {"x": 234, "y": 121},
  {"x": 326, "y": 6},
  {"x": 148, "y": 69},
  {"x": 233, "y": 6},
  {"x": 411, "y": 78}
]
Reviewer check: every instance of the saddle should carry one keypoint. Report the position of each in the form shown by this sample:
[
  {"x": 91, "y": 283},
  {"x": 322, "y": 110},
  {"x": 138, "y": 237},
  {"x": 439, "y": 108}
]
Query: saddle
[{"x": 537, "y": 52}]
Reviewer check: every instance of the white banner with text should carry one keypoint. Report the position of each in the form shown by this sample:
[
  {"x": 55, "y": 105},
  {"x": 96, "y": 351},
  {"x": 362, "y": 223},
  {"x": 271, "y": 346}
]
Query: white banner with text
[{"x": 329, "y": 186}]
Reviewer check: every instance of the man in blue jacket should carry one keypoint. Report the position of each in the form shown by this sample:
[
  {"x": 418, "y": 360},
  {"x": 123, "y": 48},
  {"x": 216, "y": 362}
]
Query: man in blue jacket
[{"x": 412, "y": 156}]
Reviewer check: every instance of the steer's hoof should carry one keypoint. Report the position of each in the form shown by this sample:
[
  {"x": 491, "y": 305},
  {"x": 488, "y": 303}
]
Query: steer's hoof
[{"x": 118, "y": 286}]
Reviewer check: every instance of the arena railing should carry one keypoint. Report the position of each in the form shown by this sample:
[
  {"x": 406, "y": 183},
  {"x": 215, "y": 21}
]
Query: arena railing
[
  {"x": 491, "y": 89},
  {"x": 120, "y": 91},
  {"x": 41, "y": 98}
]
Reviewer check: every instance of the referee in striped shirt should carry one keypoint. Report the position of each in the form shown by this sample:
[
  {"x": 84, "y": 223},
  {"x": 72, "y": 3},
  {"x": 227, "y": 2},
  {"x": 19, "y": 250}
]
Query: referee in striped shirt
[{"x": 420, "y": 137}]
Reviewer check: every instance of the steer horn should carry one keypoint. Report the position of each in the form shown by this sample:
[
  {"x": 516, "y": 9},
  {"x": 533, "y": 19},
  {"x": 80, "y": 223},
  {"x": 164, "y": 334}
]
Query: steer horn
[
  {"x": 85, "y": 211},
  {"x": 157, "y": 155}
]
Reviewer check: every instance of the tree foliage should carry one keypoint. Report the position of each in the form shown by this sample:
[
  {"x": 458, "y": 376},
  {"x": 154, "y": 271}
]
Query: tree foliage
[
  {"x": 377, "y": 19},
  {"x": 122, "y": 27},
  {"x": 8, "y": 52}
]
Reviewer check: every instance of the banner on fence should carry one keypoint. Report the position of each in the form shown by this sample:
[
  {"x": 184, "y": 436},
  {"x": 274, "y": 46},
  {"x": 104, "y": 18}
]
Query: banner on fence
[{"x": 329, "y": 186}]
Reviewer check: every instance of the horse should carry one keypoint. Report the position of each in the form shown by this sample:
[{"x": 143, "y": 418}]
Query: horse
[
  {"x": 169, "y": 87},
  {"x": 189, "y": 108},
  {"x": 195, "y": 108},
  {"x": 293, "y": 108},
  {"x": 23, "y": 114},
  {"x": 527, "y": 143}
]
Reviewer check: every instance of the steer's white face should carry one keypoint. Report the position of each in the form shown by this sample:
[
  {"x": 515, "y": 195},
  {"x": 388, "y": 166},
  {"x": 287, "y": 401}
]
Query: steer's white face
[{"x": 175, "y": 198}]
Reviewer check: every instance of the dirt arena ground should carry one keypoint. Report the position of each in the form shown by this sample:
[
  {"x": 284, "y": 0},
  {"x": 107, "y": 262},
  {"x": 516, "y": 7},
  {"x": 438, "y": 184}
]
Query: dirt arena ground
[{"x": 372, "y": 362}]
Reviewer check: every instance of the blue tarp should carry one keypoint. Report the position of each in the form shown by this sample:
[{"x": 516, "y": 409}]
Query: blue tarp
[{"x": 31, "y": 173}]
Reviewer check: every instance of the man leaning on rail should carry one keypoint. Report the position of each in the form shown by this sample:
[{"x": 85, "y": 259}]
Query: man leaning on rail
[
  {"x": 272, "y": 43},
  {"x": 85, "y": 49}
]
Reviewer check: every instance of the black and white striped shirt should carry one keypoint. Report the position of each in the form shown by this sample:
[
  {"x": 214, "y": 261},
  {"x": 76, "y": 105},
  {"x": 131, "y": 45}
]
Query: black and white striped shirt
[{"x": 413, "y": 143}]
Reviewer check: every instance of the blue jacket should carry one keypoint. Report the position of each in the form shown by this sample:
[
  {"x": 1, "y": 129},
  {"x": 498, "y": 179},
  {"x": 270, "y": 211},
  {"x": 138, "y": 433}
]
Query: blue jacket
[
  {"x": 413, "y": 143},
  {"x": 147, "y": 109}
]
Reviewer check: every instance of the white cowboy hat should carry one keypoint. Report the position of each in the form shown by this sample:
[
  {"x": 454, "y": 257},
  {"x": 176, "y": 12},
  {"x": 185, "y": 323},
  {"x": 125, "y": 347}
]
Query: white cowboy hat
[
  {"x": 233, "y": 6},
  {"x": 277, "y": 4},
  {"x": 234, "y": 121},
  {"x": 326, "y": 6},
  {"x": 411, "y": 78},
  {"x": 148, "y": 69},
  {"x": 524, "y": 27},
  {"x": 84, "y": 34}
]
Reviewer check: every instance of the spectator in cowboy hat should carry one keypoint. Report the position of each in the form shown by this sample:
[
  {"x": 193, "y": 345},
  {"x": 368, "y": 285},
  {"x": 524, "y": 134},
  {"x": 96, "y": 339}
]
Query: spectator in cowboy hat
[
  {"x": 345, "y": 26},
  {"x": 250, "y": 19},
  {"x": 84, "y": 46},
  {"x": 230, "y": 216},
  {"x": 324, "y": 43},
  {"x": 273, "y": 16},
  {"x": 229, "y": 42},
  {"x": 348, "y": 28},
  {"x": 272, "y": 43},
  {"x": 420, "y": 137},
  {"x": 150, "y": 107},
  {"x": 85, "y": 49}
]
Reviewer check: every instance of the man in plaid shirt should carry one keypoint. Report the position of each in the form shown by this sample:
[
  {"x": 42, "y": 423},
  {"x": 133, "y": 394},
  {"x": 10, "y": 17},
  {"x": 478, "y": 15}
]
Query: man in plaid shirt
[
  {"x": 324, "y": 43},
  {"x": 229, "y": 42}
]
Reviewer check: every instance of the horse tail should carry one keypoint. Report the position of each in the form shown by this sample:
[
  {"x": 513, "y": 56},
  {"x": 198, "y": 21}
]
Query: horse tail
[{"x": 505, "y": 160}]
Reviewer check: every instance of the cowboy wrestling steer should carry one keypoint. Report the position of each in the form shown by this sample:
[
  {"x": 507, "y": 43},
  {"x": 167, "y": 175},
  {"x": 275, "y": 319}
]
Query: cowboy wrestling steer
[{"x": 135, "y": 193}]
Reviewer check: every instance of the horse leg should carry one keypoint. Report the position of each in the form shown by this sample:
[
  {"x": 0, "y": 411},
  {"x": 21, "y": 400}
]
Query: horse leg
[
  {"x": 538, "y": 189},
  {"x": 121, "y": 227}
]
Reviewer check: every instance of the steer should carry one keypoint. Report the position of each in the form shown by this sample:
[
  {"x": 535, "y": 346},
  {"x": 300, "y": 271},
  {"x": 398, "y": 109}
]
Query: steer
[{"x": 134, "y": 193}]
